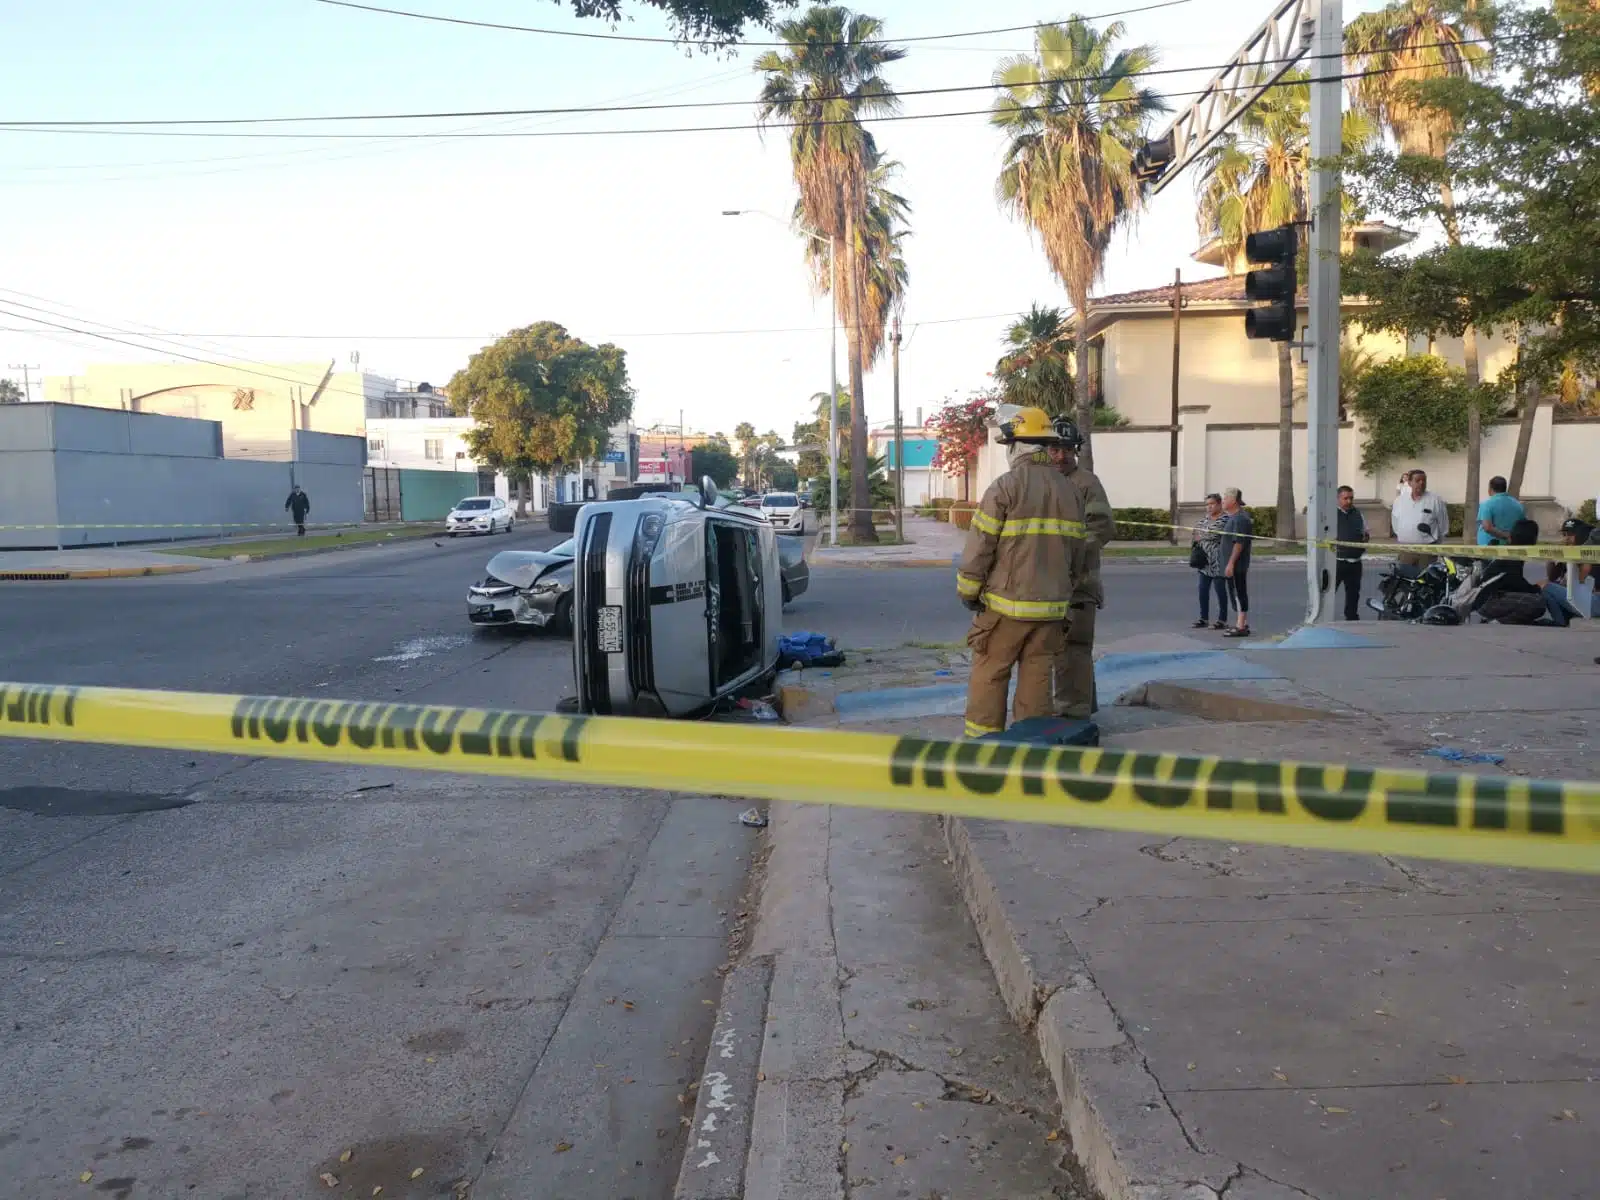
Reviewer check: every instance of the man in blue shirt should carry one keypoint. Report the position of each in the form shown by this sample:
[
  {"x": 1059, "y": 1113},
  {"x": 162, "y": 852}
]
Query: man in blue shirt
[{"x": 1497, "y": 514}]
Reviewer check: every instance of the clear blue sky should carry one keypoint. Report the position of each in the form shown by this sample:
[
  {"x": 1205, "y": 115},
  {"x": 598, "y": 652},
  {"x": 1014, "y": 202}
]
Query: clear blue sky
[{"x": 385, "y": 247}]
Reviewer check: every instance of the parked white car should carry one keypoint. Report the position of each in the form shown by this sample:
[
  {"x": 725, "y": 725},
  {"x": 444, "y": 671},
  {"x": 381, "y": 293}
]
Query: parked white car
[
  {"x": 479, "y": 514},
  {"x": 783, "y": 510}
]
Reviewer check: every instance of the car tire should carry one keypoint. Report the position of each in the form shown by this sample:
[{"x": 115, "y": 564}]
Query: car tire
[
  {"x": 509, "y": 524},
  {"x": 561, "y": 623}
]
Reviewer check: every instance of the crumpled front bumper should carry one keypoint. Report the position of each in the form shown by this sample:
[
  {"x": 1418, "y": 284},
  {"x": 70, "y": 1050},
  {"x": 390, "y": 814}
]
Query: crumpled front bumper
[{"x": 510, "y": 606}]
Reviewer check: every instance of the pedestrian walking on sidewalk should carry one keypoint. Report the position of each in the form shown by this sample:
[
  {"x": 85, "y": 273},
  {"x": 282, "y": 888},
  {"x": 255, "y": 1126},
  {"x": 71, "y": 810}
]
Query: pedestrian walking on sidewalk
[
  {"x": 1205, "y": 556},
  {"x": 1025, "y": 552},
  {"x": 1074, "y": 675},
  {"x": 1238, "y": 537},
  {"x": 1351, "y": 530},
  {"x": 297, "y": 506},
  {"x": 1420, "y": 518}
]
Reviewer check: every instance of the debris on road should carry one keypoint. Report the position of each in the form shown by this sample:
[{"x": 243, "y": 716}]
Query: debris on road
[{"x": 754, "y": 818}]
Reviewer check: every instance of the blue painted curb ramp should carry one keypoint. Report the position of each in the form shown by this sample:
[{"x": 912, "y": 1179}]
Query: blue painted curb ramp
[
  {"x": 1115, "y": 675},
  {"x": 1319, "y": 637}
]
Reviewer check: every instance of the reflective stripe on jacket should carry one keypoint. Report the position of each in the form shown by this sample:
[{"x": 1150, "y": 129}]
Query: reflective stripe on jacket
[
  {"x": 1028, "y": 543},
  {"x": 1102, "y": 523}
]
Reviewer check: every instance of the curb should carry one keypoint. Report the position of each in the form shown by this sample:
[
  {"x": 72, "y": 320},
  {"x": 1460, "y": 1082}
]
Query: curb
[
  {"x": 882, "y": 563},
  {"x": 719, "y": 1140},
  {"x": 361, "y": 545},
  {"x": 52, "y": 574},
  {"x": 1124, "y": 1132}
]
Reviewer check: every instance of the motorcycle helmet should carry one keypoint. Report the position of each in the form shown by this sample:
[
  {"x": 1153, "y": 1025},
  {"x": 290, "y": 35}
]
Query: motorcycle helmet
[
  {"x": 1031, "y": 426},
  {"x": 1440, "y": 614}
]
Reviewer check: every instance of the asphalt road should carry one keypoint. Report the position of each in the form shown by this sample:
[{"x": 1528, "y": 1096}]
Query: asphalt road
[{"x": 219, "y": 975}]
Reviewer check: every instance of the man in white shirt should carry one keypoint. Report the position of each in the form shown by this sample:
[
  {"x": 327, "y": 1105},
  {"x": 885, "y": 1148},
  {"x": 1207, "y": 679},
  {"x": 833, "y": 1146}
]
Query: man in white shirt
[{"x": 1420, "y": 518}]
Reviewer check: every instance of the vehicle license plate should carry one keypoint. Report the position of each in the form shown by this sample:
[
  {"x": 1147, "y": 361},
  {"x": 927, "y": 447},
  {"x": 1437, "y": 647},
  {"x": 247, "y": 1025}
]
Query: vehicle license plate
[{"x": 609, "y": 629}]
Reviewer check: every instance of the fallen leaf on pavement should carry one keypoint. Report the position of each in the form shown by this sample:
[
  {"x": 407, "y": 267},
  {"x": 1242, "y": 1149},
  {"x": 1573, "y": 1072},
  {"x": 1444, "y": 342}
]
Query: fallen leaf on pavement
[
  {"x": 900, "y": 1160},
  {"x": 1280, "y": 1077},
  {"x": 563, "y": 1147},
  {"x": 1455, "y": 1079},
  {"x": 628, "y": 1004},
  {"x": 416, "y": 1172},
  {"x": 1053, "y": 1136},
  {"x": 345, "y": 1157},
  {"x": 761, "y": 1076},
  {"x": 1446, "y": 1121},
  {"x": 844, "y": 1145},
  {"x": 705, "y": 1002},
  {"x": 1191, "y": 1067},
  {"x": 918, "y": 1104},
  {"x": 1567, "y": 1115},
  {"x": 1433, "y": 1106},
  {"x": 378, "y": 1191},
  {"x": 1334, "y": 1108},
  {"x": 86, "y": 1177},
  {"x": 956, "y": 1051},
  {"x": 329, "y": 1179}
]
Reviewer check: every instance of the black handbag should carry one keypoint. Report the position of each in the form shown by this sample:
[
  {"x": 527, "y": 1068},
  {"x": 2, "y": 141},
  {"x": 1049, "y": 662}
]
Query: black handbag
[{"x": 1197, "y": 557}]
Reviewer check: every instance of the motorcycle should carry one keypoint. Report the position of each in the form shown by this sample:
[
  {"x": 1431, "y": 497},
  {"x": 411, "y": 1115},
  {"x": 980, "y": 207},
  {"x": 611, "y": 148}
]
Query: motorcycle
[{"x": 1408, "y": 593}]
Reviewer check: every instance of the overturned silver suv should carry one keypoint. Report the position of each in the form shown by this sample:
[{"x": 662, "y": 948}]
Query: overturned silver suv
[{"x": 677, "y": 603}]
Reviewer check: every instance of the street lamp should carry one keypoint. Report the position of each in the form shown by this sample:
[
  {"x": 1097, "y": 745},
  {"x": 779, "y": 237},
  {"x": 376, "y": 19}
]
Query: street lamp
[{"x": 833, "y": 363}]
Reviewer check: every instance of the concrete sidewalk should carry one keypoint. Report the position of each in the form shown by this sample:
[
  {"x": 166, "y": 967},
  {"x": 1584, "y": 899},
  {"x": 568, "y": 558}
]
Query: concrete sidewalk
[
  {"x": 93, "y": 563},
  {"x": 1278, "y": 1024},
  {"x": 1273, "y": 1024}
]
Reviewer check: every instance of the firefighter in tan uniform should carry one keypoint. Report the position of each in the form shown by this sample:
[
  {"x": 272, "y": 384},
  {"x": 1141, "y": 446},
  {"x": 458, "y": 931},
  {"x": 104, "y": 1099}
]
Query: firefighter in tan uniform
[
  {"x": 1024, "y": 555},
  {"x": 1074, "y": 681}
]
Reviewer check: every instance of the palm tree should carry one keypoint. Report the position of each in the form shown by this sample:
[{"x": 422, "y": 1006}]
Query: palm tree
[
  {"x": 828, "y": 76},
  {"x": 1073, "y": 114},
  {"x": 1390, "y": 52},
  {"x": 1037, "y": 366},
  {"x": 883, "y": 277},
  {"x": 1257, "y": 177},
  {"x": 745, "y": 434}
]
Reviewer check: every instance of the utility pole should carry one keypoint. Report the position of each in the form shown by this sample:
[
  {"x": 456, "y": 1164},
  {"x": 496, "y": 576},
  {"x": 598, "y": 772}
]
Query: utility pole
[
  {"x": 27, "y": 379},
  {"x": 1322, "y": 416},
  {"x": 899, "y": 443},
  {"x": 1172, "y": 458}
]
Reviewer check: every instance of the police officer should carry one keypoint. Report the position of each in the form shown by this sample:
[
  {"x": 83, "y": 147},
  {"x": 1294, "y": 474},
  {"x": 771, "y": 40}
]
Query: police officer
[
  {"x": 1025, "y": 553},
  {"x": 1074, "y": 686}
]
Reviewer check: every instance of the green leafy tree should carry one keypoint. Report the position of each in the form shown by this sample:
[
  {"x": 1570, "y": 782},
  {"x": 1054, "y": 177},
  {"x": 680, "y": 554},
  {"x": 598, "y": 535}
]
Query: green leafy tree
[
  {"x": 1036, "y": 368},
  {"x": 880, "y": 491},
  {"x": 703, "y": 22},
  {"x": 1073, "y": 113},
  {"x": 542, "y": 399},
  {"x": 811, "y": 437},
  {"x": 828, "y": 76},
  {"x": 1411, "y": 405},
  {"x": 715, "y": 461},
  {"x": 1519, "y": 173},
  {"x": 744, "y": 434},
  {"x": 1256, "y": 177},
  {"x": 10, "y": 393},
  {"x": 1393, "y": 54}
]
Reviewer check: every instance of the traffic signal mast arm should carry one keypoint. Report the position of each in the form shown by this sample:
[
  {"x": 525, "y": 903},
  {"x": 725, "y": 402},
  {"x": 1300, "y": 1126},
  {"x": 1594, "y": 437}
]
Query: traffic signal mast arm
[{"x": 1266, "y": 56}]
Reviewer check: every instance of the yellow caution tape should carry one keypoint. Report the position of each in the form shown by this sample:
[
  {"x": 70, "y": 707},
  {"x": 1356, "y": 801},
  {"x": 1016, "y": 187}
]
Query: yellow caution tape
[
  {"x": 1484, "y": 819},
  {"x": 1540, "y": 553}
]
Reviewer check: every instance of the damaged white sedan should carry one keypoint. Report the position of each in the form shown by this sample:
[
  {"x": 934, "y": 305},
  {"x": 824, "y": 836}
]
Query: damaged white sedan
[{"x": 529, "y": 588}]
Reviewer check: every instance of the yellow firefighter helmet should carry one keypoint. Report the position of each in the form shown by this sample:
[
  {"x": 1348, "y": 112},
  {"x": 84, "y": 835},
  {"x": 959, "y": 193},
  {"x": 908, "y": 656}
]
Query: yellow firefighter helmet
[{"x": 1030, "y": 425}]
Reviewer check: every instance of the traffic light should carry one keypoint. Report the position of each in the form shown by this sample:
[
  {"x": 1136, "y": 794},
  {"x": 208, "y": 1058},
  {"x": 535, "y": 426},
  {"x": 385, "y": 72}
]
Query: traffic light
[
  {"x": 1274, "y": 283},
  {"x": 1152, "y": 159}
]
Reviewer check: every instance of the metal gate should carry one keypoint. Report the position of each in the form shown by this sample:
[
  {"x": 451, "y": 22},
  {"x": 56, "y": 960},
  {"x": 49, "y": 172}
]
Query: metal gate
[{"x": 380, "y": 488}]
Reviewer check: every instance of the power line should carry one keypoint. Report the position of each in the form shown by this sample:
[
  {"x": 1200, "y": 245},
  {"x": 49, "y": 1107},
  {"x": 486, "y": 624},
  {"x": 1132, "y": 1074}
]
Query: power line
[
  {"x": 78, "y": 124},
  {"x": 667, "y": 41}
]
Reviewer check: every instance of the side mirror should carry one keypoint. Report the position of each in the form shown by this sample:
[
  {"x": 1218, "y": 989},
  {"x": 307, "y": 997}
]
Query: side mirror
[{"x": 708, "y": 492}]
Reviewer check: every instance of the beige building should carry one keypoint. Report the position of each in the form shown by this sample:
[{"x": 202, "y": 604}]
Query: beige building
[
  {"x": 1228, "y": 407},
  {"x": 259, "y": 405}
]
